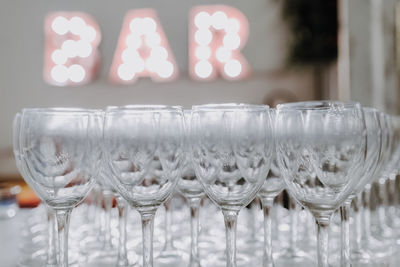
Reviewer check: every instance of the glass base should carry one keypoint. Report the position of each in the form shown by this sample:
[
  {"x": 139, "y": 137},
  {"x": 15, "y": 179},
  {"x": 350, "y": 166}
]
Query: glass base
[
  {"x": 290, "y": 257},
  {"x": 173, "y": 257},
  {"x": 103, "y": 258},
  {"x": 360, "y": 256},
  {"x": 219, "y": 260}
]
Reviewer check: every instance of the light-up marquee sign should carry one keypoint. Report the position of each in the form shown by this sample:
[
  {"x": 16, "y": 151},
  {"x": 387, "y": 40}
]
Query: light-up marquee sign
[
  {"x": 142, "y": 50},
  {"x": 71, "y": 55},
  {"x": 216, "y": 36}
]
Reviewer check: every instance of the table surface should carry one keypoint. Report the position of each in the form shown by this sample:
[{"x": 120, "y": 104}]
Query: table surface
[{"x": 10, "y": 237}]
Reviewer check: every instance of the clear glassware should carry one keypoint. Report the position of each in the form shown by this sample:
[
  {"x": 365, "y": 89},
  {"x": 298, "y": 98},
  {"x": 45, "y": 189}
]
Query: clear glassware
[
  {"x": 271, "y": 188},
  {"x": 383, "y": 230},
  {"x": 319, "y": 151},
  {"x": 122, "y": 259},
  {"x": 249, "y": 241},
  {"x": 134, "y": 138},
  {"x": 104, "y": 253},
  {"x": 51, "y": 252},
  {"x": 231, "y": 150},
  {"x": 92, "y": 228},
  {"x": 193, "y": 191},
  {"x": 394, "y": 214},
  {"x": 59, "y": 153},
  {"x": 365, "y": 175},
  {"x": 170, "y": 255},
  {"x": 107, "y": 253},
  {"x": 294, "y": 254},
  {"x": 379, "y": 243}
]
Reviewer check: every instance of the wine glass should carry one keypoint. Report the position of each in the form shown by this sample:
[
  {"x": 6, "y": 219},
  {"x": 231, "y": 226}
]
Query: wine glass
[
  {"x": 231, "y": 149},
  {"x": 192, "y": 190},
  {"x": 134, "y": 138},
  {"x": 379, "y": 246},
  {"x": 320, "y": 147},
  {"x": 271, "y": 188},
  {"x": 51, "y": 252},
  {"x": 365, "y": 174},
  {"x": 394, "y": 179},
  {"x": 59, "y": 153},
  {"x": 106, "y": 253},
  {"x": 358, "y": 254}
]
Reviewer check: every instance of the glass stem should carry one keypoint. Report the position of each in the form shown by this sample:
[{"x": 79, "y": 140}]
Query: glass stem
[
  {"x": 123, "y": 209},
  {"x": 194, "y": 230},
  {"x": 345, "y": 234},
  {"x": 267, "y": 204},
  {"x": 367, "y": 215},
  {"x": 168, "y": 223},
  {"x": 252, "y": 222},
  {"x": 230, "y": 217},
  {"x": 147, "y": 235},
  {"x": 63, "y": 218},
  {"x": 323, "y": 239},
  {"x": 382, "y": 204},
  {"x": 51, "y": 239},
  {"x": 108, "y": 202},
  {"x": 294, "y": 216},
  {"x": 97, "y": 206},
  {"x": 358, "y": 209}
]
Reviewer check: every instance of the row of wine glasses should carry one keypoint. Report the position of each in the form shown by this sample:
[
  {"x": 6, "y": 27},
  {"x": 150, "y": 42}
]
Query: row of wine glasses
[{"x": 326, "y": 154}]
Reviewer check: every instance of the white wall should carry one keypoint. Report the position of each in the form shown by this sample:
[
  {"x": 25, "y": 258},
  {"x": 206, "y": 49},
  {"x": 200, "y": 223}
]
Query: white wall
[{"x": 21, "y": 58}]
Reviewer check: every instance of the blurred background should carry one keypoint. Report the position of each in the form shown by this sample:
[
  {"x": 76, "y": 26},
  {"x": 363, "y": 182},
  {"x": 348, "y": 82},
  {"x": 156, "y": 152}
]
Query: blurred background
[{"x": 296, "y": 49}]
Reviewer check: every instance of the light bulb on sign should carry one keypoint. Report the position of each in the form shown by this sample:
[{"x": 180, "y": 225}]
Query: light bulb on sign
[
  {"x": 165, "y": 69},
  {"x": 69, "y": 48},
  {"x": 76, "y": 73},
  {"x": 149, "y": 25},
  {"x": 130, "y": 55},
  {"x": 136, "y": 26},
  {"x": 76, "y": 25},
  {"x": 219, "y": 20},
  {"x": 203, "y": 37},
  {"x": 59, "y": 73},
  {"x": 231, "y": 41},
  {"x": 88, "y": 34},
  {"x": 59, "y": 57},
  {"x": 60, "y": 25},
  {"x": 83, "y": 48},
  {"x": 233, "y": 68},
  {"x": 125, "y": 72},
  {"x": 202, "y": 20},
  {"x": 203, "y": 69}
]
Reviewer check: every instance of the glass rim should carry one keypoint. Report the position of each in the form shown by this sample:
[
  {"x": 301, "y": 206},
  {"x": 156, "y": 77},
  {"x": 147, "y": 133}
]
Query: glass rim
[
  {"x": 59, "y": 110},
  {"x": 143, "y": 109},
  {"x": 317, "y": 105},
  {"x": 229, "y": 107},
  {"x": 370, "y": 109}
]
